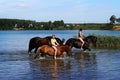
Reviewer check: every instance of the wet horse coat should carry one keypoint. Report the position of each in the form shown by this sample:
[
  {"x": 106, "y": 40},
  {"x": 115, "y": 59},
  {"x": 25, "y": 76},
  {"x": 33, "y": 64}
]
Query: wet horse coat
[{"x": 48, "y": 50}]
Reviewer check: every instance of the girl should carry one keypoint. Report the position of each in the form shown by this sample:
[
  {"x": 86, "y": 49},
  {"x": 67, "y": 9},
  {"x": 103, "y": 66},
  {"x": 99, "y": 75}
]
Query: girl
[
  {"x": 54, "y": 44},
  {"x": 80, "y": 36}
]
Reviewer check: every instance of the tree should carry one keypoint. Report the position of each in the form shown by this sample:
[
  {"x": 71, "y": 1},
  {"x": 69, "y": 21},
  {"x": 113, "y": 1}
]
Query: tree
[
  {"x": 112, "y": 19},
  {"x": 50, "y": 25},
  {"x": 118, "y": 20}
]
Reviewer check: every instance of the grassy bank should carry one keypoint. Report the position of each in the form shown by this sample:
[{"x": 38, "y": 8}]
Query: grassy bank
[{"x": 112, "y": 42}]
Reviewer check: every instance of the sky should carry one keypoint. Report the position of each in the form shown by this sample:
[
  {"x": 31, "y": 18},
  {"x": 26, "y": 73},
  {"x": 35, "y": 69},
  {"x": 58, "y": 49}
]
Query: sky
[{"x": 70, "y": 11}]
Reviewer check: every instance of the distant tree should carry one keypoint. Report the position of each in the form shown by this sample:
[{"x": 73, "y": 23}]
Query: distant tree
[
  {"x": 118, "y": 20},
  {"x": 112, "y": 19},
  {"x": 50, "y": 25},
  {"x": 58, "y": 23},
  {"x": 62, "y": 23}
]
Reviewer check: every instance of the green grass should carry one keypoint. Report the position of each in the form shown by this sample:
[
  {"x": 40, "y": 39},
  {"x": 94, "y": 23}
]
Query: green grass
[{"x": 104, "y": 41}]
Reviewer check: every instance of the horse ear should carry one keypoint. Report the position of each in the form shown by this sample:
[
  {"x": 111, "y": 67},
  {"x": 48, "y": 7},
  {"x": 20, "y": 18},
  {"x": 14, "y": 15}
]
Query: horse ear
[{"x": 63, "y": 40}]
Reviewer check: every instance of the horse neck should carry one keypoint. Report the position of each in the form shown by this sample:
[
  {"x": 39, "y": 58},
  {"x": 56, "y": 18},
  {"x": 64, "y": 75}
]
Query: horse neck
[{"x": 88, "y": 40}]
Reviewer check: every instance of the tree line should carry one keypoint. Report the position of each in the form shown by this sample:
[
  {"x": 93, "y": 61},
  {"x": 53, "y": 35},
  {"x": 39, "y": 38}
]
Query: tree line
[
  {"x": 10, "y": 24},
  {"x": 17, "y": 24}
]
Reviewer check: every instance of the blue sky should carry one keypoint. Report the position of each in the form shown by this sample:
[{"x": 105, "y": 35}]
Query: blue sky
[{"x": 71, "y": 11}]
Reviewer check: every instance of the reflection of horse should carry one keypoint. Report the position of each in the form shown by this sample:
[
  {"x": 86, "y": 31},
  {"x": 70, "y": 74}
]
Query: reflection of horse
[
  {"x": 77, "y": 44},
  {"x": 37, "y": 42},
  {"x": 48, "y": 50},
  {"x": 52, "y": 68}
]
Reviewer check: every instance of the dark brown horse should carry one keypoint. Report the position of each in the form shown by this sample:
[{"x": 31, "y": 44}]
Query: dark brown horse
[
  {"x": 48, "y": 50},
  {"x": 77, "y": 44},
  {"x": 36, "y": 42}
]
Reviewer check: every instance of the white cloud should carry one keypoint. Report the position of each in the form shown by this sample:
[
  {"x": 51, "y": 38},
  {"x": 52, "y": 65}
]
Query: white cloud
[{"x": 21, "y": 5}]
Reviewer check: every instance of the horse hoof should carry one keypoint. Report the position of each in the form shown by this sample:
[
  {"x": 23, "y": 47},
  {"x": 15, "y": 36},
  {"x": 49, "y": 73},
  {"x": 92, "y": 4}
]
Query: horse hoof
[
  {"x": 84, "y": 51},
  {"x": 30, "y": 54}
]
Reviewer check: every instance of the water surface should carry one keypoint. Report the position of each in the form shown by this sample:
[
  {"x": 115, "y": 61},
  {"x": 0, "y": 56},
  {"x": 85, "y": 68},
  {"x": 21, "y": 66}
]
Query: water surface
[{"x": 16, "y": 64}]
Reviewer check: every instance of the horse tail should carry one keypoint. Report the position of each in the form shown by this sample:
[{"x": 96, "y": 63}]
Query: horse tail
[{"x": 31, "y": 44}]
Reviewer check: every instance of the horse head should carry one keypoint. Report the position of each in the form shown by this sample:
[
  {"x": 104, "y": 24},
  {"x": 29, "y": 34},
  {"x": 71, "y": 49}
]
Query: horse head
[
  {"x": 62, "y": 42},
  {"x": 66, "y": 48},
  {"x": 91, "y": 39}
]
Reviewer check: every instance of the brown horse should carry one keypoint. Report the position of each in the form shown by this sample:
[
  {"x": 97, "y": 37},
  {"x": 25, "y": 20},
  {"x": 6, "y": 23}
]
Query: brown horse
[
  {"x": 36, "y": 42},
  {"x": 48, "y": 50}
]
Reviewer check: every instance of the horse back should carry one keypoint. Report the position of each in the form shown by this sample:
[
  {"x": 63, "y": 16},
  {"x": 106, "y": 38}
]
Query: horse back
[
  {"x": 71, "y": 41},
  {"x": 43, "y": 41},
  {"x": 46, "y": 49},
  {"x": 63, "y": 48}
]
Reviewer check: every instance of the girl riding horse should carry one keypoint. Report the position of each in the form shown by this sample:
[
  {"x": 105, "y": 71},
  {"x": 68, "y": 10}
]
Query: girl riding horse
[{"x": 48, "y": 50}]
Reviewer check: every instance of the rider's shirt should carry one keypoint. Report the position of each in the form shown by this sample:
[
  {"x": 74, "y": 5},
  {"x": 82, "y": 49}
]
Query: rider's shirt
[{"x": 53, "y": 42}]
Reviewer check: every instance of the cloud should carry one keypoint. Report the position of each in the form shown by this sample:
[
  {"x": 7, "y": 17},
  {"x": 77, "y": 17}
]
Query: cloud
[
  {"x": 15, "y": 4},
  {"x": 19, "y": 5}
]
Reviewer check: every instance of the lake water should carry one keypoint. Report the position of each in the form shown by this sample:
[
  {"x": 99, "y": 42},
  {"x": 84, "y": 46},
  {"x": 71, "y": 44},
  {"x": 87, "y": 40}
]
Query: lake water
[{"x": 16, "y": 64}]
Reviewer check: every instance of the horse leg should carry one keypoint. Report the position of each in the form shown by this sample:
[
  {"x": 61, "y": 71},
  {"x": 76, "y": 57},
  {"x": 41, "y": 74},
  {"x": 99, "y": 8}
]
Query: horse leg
[
  {"x": 84, "y": 49},
  {"x": 35, "y": 50},
  {"x": 36, "y": 55},
  {"x": 30, "y": 49},
  {"x": 42, "y": 55},
  {"x": 89, "y": 49}
]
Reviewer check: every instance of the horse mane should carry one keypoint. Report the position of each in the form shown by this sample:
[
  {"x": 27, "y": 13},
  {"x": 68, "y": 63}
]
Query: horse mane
[{"x": 90, "y": 36}]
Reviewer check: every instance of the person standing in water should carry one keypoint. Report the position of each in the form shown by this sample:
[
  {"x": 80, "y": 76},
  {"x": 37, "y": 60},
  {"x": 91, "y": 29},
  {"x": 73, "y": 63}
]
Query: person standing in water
[
  {"x": 54, "y": 44},
  {"x": 80, "y": 36}
]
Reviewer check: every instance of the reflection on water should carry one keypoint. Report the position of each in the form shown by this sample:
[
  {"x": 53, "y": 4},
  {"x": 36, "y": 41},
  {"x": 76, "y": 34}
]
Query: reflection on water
[
  {"x": 97, "y": 65},
  {"x": 67, "y": 68},
  {"x": 22, "y": 66}
]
